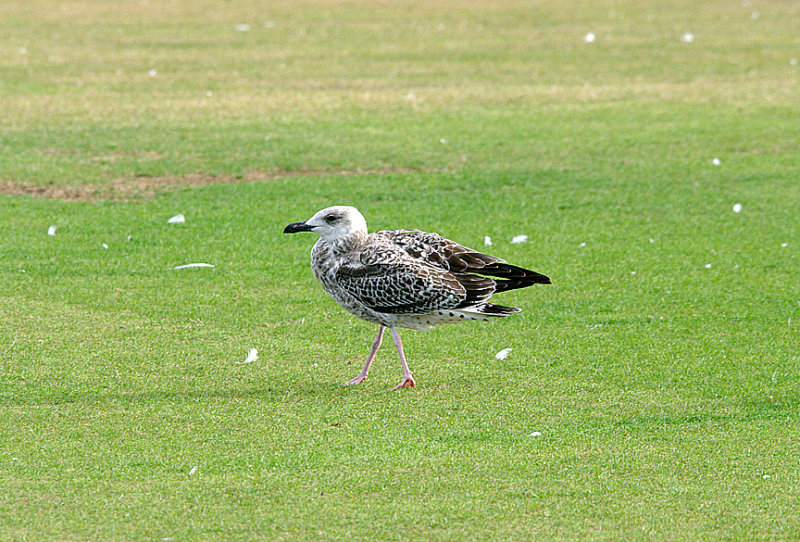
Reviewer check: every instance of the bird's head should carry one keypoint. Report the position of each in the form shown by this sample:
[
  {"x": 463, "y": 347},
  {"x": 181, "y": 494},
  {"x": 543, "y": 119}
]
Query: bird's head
[{"x": 332, "y": 223}]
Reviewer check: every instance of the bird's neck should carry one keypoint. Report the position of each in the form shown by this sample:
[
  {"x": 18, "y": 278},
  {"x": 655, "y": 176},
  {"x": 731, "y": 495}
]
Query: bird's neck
[{"x": 347, "y": 243}]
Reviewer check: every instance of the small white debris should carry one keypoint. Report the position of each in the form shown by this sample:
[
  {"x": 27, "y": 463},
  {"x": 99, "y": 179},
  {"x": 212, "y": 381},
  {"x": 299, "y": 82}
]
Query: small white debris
[
  {"x": 793, "y": 62},
  {"x": 707, "y": 266},
  {"x": 737, "y": 207},
  {"x": 194, "y": 470},
  {"x": 15, "y": 459},
  {"x": 190, "y": 265},
  {"x": 589, "y": 37},
  {"x": 755, "y": 15},
  {"x": 502, "y": 354},
  {"x": 105, "y": 246},
  {"x": 209, "y": 94},
  {"x": 177, "y": 219},
  {"x": 411, "y": 96},
  {"x": 633, "y": 272},
  {"x": 12, "y": 343},
  {"x": 519, "y": 239},
  {"x": 23, "y": 50},
  {"x": 242, "y": 27},
  {"x": 784, "y": 245},
  {"x": 251, "y": 357},
  {"x": 582, "y": 245},
  {"x": 766, "y": 477},
  {"x": 535, "y": 434},
  {"x": 687, "y": 37},
  {"x": 51, "y": 230},
  {"x": 315, "y": 364},
  {"x": 130, "y": 237},
  {"x": 652, "y": 240},
  {"x": 716, "y": 161},
  {"x": 443, "y": 141},
  {"x": 152, "y": 72},
  {"x": 487, "y": 241}
]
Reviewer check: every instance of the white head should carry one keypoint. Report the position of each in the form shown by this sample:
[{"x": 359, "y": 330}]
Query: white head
[{"x": 332, "y": 223}]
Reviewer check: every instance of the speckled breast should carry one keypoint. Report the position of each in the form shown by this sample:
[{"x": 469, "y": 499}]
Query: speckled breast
[{"x": 324, "y": 265}]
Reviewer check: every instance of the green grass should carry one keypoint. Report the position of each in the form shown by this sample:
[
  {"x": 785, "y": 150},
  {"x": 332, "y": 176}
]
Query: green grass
[{"x": 666, "y": 392}]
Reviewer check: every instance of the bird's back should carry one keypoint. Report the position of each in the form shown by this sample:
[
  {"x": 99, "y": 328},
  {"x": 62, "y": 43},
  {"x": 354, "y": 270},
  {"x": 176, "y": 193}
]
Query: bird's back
[{"x": 438, "y": 251}]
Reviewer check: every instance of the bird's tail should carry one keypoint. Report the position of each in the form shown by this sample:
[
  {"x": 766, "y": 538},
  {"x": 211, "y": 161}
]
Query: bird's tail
[
  {"x": 486, "y": 310},
  {"x": 490, "y": 309}
]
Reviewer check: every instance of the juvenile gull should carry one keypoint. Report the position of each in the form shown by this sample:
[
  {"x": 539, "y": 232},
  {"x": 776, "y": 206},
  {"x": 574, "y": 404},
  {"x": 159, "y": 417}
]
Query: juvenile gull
[{"x": 405, "y": 278}]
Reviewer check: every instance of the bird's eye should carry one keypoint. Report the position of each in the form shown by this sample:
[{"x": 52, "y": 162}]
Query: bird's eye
[{"x": 330, "y": 219}]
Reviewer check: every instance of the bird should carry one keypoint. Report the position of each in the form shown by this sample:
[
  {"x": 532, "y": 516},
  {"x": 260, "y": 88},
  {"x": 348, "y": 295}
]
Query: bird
[{"x": 405, "y": 278}]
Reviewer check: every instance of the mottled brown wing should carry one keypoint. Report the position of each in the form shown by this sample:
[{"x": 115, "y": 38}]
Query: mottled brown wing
[
  {"x": 437, "y": 250},
  {"x": 450, "y": 256}
]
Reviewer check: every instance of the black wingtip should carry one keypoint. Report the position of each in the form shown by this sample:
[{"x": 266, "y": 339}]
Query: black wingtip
[
  {"x": 511, "y": 277},
  {"x": 541, "y": 279}
]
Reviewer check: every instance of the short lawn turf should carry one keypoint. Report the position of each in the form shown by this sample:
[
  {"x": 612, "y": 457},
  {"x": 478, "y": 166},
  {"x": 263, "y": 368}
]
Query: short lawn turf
[{"x": 651, "y": 392}]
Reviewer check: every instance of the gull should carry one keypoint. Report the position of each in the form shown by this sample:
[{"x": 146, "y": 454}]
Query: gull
[{"x": 405, "y": 278}]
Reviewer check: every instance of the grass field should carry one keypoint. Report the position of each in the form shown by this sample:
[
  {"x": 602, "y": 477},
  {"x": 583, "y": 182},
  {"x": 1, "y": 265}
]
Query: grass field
[{"x": 660, "y": 371}]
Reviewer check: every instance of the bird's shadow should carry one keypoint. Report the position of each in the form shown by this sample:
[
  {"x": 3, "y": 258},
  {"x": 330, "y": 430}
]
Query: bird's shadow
[{"x": 323, "y": 391}]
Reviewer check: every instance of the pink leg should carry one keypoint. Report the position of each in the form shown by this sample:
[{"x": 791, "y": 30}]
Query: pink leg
[
  {"x": 362, "y": 376},
  {"x": 408, "y": 380}
]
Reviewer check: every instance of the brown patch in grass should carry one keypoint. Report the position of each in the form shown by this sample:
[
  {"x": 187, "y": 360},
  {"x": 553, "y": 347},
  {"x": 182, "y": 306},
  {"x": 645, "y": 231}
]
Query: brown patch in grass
[
  {"x": 148, "y": 187},
  {"x": 69, "y": 193}
]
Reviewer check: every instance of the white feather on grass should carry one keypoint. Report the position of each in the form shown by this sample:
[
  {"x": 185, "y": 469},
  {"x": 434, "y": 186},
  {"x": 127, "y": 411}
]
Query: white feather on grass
[
  {"x": 502, "y": 354},
  {"x": 191, "y": 265},
  {"x": 251, "y": 357}
]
